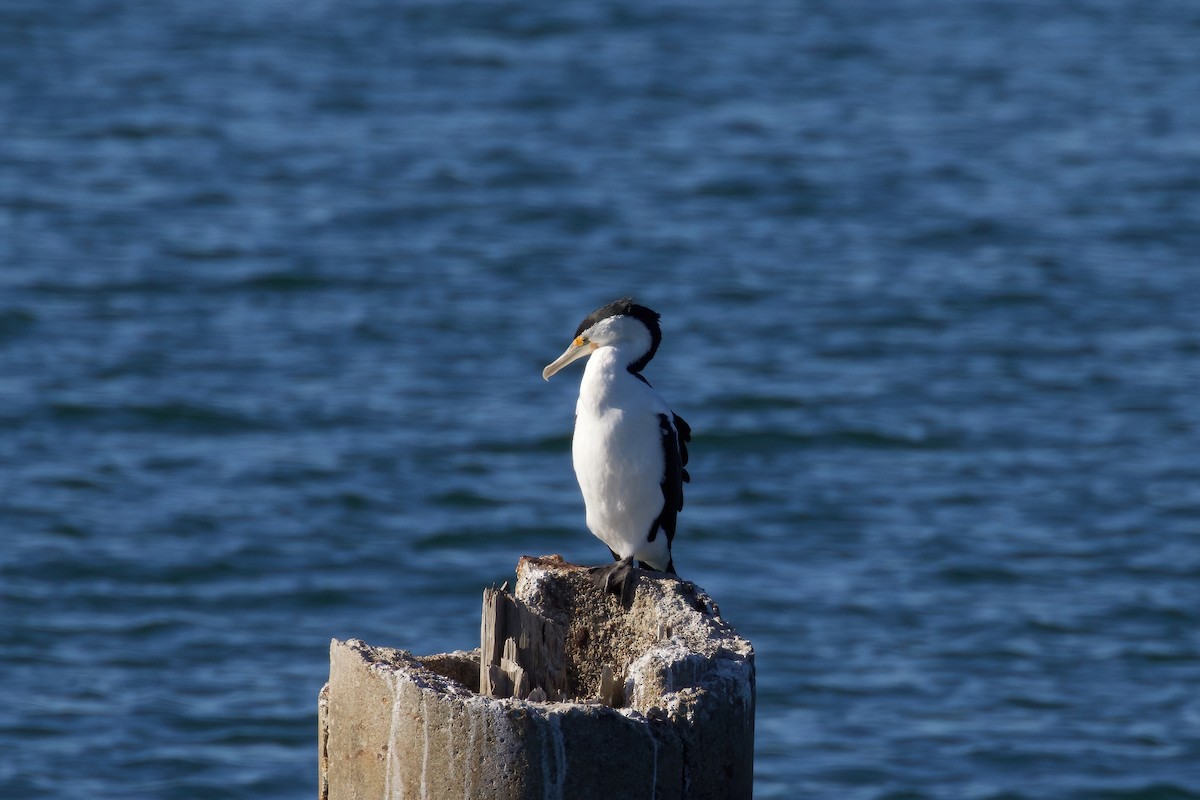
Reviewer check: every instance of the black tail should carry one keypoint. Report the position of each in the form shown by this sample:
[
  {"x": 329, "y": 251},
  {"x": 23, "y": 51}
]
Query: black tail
[{"x": 670, "y": 570}]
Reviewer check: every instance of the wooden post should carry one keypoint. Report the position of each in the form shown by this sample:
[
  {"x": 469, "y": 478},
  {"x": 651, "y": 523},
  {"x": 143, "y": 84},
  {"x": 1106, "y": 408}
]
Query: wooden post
[
  {"x": 520, "y": 652},
  {"x": 581, "y": 698}
]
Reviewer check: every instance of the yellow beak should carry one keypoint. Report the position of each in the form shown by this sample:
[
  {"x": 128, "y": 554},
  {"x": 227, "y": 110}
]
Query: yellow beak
[{"x": 578, "y": 349}]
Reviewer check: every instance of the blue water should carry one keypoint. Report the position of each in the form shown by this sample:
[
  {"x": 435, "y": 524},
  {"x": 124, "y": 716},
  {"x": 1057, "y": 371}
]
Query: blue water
[{"x": 277, "y": 281}]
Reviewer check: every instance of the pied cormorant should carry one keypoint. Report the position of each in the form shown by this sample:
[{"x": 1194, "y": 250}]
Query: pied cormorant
[{"x": 629, "y": 449}]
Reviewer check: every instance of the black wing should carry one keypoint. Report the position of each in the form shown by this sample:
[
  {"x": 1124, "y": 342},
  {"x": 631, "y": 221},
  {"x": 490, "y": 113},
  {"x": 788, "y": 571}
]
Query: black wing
[
  {"x": 685, "y": 436},
  {"x": 674, "y": 442}
]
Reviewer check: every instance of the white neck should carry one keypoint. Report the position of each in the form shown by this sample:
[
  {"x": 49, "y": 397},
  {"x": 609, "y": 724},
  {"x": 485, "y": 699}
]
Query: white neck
[{"x": 604, "y": 373}]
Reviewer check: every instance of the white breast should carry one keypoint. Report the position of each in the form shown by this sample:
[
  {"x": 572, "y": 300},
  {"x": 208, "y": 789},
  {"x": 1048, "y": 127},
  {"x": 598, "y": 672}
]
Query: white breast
[{"x": 618, "y": 457}]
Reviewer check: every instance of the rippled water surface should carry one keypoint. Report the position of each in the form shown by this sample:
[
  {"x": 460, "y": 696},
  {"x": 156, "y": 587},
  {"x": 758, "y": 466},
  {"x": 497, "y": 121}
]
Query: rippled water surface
[{"x": 277, "y": 281}]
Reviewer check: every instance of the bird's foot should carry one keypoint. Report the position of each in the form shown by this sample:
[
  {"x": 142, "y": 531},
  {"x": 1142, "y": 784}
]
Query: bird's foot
[{"x": 618, "y": 578}]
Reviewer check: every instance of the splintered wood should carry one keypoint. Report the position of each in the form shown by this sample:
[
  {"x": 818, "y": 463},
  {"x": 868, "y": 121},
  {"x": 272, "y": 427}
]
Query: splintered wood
[{"x": 522, "y": 654}]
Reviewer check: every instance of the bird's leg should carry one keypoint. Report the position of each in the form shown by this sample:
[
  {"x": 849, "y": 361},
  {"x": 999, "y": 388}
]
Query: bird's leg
[{"x": 616, "y": 578}]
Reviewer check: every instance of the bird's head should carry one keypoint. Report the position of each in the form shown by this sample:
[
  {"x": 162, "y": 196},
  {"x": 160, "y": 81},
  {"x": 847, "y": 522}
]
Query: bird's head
[{"x": 623, "y": 324}]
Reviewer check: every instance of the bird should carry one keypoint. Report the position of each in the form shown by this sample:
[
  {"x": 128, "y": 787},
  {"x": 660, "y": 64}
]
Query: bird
[{"x": 629, "y": 449}]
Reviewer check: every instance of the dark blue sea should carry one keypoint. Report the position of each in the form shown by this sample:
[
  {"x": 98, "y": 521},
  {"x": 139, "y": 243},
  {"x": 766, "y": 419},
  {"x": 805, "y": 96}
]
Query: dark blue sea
[{"x": 278, "y": 279}]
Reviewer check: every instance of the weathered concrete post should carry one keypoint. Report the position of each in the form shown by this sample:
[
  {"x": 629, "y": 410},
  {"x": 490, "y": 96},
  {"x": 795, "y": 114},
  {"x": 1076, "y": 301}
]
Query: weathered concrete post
[{"x": 660, "y": 702}]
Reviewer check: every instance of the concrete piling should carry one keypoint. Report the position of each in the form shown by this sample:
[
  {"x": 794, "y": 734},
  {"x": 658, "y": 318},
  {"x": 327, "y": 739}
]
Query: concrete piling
[{"x": 655, "y": 700}]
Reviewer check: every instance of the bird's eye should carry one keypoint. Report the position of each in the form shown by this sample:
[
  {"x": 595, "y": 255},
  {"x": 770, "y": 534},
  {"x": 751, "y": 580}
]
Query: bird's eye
[{"x": 580, "y": 341}]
